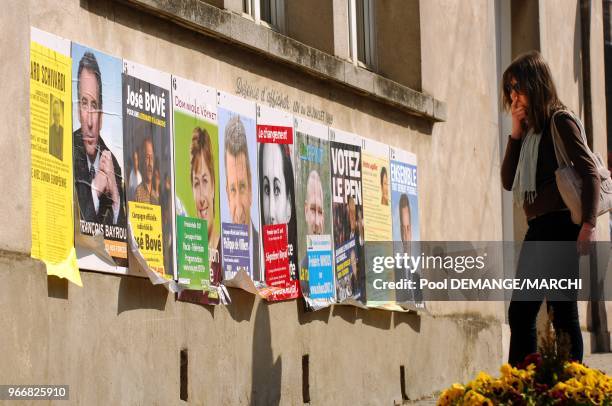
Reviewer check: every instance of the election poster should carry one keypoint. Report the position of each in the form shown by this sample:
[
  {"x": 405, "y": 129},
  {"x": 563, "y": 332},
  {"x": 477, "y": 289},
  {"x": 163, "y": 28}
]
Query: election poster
[
  {"x": 51, "y": 153},
  {"x": 377, "y": 218},
  {"x": 313, "y": 209},
  {"x": 147, "y": 134},
  {"x": 277, "y": 202},
  {"x": 239, "y": 189},
  {"x": 97, "y": 153},
  {"x": 347, "y": 212},
  {"x": 404, "y": 196},
  {"x": 405, "y": 218},
  {"x": 196, "y": 184}
]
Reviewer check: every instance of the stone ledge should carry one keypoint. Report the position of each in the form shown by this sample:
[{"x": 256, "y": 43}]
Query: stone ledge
[{"x": 215, "y": 22}]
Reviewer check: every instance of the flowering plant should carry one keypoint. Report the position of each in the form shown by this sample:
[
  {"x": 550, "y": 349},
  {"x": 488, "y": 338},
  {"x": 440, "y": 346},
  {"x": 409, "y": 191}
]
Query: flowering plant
[
  {"x": 577, "y": 385},
  {"x": 548, "y": 377}
]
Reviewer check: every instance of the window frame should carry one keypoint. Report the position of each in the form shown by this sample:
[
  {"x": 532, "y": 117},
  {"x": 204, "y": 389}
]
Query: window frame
[
  {"x": 252, "y": 9},
  {"x": 369, "y": 33}
]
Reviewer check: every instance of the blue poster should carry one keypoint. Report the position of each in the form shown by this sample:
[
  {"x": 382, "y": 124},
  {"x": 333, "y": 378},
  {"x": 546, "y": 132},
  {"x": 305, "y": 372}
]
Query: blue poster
[
  {"x": 235, "y": 248},
  {"x": 321, "y": 275},
  {"x": 405, "y": 216},
  {"x": 404, "y": 202}
]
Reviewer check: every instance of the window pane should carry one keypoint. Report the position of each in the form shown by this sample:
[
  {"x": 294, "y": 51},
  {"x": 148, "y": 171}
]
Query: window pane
[
  {"x": 361, "y": 27},
  {"x": 266, "y": 11}
]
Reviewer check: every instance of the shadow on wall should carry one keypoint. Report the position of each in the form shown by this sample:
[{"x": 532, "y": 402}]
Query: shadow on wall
[
  {"x": 241, "y": 307},
  {"x": 266, "y": 372},
  {"x": 195, "y": 297},
  {"x": 305, "y": 317},
  {"x": 57, "y": 287},
  {"x": 347, "y": 313},
  {"x": 139, "y": 293},
  {"x": 375, "y": 318},
  {"x": 413, "y": 320}
]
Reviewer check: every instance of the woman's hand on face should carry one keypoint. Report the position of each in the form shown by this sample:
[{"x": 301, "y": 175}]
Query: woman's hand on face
[
  {"x": 519, "y": 116},
  {"x": 585, "y": 238}
]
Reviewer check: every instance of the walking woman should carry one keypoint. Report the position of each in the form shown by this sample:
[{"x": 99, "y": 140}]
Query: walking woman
[{"x": 528, "y": 169}]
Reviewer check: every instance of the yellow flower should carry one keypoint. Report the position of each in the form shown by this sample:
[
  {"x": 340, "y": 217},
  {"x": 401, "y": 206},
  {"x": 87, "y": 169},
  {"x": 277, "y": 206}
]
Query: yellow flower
[
  {"x": 562, "y": 386},
  {"x": 589, "y": 380},
  {"x": 498, "y": 384},
  {"x": 474, "y": 398},
  {"x": 482, "y": 382},
  {"x": 573, "y": 384},
  {"x": 516, "y": 384},
  {"x": 525, "y": 374},
  {"x": 576, "y": 369},
  {"x": 594, "y": 397},
  {"x": 506, "y": 370},
  {"x": 451, "y": 394},
  {"x": 579, "y": 396}
]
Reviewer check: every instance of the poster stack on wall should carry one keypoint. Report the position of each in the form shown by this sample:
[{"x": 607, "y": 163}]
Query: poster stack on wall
[
  {"x": 313, "y": 209},
  {"x": 196, "y": 186},
  {"x": 347, "y": 209},
  {"x": 138, "y": 172},
  {"x": 147, "y": 132},
  {"x": 277, "y": 203}
]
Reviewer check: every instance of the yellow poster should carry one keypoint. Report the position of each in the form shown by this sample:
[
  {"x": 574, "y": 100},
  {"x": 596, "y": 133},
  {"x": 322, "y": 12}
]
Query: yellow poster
[
  {"x": 51, "y": 140},
  {"x": 377, "y": 219},
  {"x": 376, "y": 200},
  {"x": 146, "y": 223}
]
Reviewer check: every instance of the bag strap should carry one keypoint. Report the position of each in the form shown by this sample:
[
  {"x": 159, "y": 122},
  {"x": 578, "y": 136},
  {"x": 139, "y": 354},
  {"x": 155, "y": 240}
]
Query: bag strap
[{"x": 560, "y": 152}]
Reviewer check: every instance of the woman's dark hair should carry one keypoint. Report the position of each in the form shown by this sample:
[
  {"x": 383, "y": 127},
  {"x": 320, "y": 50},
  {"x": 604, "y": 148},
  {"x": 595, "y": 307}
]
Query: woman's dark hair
[
  {"x": 535, "y": 80},
  {"x": 289, "y": 187}
]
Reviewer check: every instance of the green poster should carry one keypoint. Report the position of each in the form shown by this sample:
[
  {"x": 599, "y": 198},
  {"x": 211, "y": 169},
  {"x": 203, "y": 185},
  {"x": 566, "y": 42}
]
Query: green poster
[
  {"x": 192, "y": 244},
  {"x": 196, "y": 183}
]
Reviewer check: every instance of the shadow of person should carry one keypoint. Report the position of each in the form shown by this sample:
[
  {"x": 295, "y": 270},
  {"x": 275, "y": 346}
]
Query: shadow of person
[{"x": 266, "y": 373}]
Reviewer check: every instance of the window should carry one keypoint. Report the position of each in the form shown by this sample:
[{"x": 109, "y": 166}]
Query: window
[
  {"x": 311, "y": 22},
  {"x": 270, "y": 12},
  {"x": 361, "y": 32},
  {"x": 397, "y": 27},
  {"x": 247, "y": 7}
]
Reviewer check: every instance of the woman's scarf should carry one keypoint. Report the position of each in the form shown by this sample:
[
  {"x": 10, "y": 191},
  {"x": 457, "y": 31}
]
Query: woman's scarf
[{"x": 524, "y": 185}]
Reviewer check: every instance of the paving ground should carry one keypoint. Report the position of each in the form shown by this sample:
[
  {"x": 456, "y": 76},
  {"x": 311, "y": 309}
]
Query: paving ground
[{"x": 602, "y": 362}]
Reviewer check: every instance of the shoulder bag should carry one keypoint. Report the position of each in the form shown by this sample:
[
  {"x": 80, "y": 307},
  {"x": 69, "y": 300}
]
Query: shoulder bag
[{"x": 569, "y": 181}]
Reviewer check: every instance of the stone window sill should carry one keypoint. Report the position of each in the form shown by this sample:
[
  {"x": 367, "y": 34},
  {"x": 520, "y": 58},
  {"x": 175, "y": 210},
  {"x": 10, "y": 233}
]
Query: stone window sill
[{"x": 216, "y": 22}]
